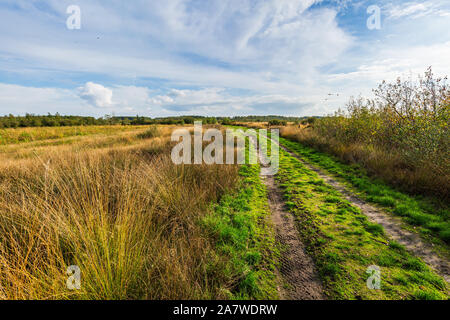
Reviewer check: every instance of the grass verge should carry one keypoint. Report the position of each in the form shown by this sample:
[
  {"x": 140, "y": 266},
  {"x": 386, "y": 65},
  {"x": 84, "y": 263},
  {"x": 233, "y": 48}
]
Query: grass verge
[{"x": 241, "y": 230}]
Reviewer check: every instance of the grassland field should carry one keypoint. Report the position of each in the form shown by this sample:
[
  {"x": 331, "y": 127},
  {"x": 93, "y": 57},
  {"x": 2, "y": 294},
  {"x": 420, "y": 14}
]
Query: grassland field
[{"x": 109, "y": 200}]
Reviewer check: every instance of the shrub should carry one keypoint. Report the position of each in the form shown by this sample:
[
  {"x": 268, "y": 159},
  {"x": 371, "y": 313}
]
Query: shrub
[
  {"x": 153, "y": 132},
  {"x": 276, "y": 122},
  {"x": 402, "y": 135}
]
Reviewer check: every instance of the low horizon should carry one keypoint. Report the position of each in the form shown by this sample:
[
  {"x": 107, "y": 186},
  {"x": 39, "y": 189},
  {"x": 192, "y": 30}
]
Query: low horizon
[{"x": 168, "y": 116}]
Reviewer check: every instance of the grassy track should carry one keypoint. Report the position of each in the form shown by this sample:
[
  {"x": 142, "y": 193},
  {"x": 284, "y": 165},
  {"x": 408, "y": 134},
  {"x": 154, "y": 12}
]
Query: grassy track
[
  {"x": 344, "y": 243},
  {"x": 140, "y": 227},
  {"x": 430, "y": 219}
]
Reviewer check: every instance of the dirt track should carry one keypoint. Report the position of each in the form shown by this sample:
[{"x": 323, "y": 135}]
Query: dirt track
[{"x": 300, "y": 280}]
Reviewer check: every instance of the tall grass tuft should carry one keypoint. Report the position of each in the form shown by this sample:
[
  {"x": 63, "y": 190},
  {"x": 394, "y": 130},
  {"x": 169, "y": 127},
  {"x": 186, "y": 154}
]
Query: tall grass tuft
[{"x": 152, "y": 132}]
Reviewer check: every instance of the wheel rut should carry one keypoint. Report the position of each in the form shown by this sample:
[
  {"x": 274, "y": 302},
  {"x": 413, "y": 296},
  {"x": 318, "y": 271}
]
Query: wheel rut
[{"x": 300, "y": 280}]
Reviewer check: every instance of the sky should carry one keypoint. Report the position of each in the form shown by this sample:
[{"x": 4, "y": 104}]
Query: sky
[{"x": 161, "y": 58}]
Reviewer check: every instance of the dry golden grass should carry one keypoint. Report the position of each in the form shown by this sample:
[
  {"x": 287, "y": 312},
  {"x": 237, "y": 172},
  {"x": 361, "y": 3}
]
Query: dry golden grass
[
  {"x": 117, "y": 207},
  {"x": 255, "y": 125},
  {"x": 23, "y": 135},
  {"x": 265, "y": 125},
  {"x": 50, "y": 148}
]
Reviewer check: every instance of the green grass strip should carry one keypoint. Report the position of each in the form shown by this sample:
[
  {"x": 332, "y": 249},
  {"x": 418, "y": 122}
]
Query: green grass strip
[{"x": 241, "y": 230}]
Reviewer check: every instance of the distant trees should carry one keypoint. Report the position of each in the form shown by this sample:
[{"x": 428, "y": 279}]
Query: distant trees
[
  {"x": 57, "y": 120},
  {"x": 271, "y": 120},
  {"x": 309, "y": 121},
  {"x": 226, "y": 121},
  {"x": 185, "y": 120},
  {"x": 265, "y": 118},
  {"x": 30, "y": 120},
  {"x": 276, "y": 122}
]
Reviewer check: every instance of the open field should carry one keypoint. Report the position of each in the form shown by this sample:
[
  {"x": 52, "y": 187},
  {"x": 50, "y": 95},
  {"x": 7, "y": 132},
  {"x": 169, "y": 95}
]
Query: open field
[
  {"x": 136, "y": 225},
  {"x": 20, "y": 135},
  {"x": 110, "y": 201}
]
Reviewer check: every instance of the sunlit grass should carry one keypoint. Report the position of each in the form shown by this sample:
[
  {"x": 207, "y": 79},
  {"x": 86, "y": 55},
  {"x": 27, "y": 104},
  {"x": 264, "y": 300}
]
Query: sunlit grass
[
  {"x": 344, "y": 243},
  {"x": 431, "y": 217}
]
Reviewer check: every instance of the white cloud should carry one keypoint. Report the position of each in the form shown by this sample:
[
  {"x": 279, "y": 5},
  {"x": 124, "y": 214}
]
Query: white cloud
[
  {"x": 217, "y": 101},
  {"x": 416, "y": 10},
  {"x": 392, "y": 63},
  {"x": 258, "y": 37},
  {"x": 190, "y": 97},
  {"x": 272, "y": 48},
  {"x": 96, "y": 94},
  {"x": 408, "y": 9},
  {"x": 128, "y": 100},
  {"x": 131, "y": 100}
]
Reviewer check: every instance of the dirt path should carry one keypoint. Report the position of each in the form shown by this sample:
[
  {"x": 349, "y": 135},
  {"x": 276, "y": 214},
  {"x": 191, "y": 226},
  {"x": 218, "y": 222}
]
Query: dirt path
[
  {"x": 392, "y": 225},
  {"x": 298, "y": 272}
]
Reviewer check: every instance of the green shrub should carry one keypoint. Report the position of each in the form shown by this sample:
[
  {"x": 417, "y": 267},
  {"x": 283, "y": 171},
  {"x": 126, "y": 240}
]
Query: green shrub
[{"x": 152, "y": 132}]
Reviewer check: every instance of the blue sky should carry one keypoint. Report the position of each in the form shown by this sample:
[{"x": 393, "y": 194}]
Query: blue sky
[{"x": 216, "y": 57}]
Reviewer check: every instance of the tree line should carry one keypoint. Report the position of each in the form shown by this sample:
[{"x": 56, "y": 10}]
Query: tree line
[{"x": 57, "y": 120}]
